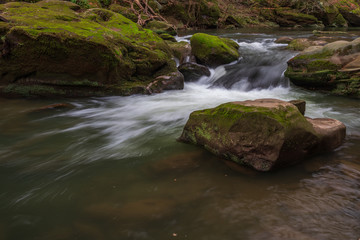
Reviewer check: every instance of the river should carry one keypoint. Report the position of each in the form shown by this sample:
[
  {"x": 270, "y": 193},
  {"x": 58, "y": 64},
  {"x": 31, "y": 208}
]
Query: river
[{"x": 111, "y": 168}]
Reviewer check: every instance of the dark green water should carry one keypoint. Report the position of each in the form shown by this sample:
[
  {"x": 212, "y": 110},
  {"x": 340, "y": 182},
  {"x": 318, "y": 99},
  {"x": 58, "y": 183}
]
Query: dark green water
[{"x": 110, "y": 168}]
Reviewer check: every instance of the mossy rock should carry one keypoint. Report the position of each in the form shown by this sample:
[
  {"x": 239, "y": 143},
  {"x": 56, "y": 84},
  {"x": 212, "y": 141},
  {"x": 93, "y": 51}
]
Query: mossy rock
[
  {"x": 193, "y": 71},
  {"x": 299, "y": 44},
  {"x": 198, "y": 14},
  {"x": 333, "y": 68},
  {"x": 264, "y": 134},
  {"x": 234, "y": 21},
  {"x": 161, "y": 27},
  {"x": 350, "y": 11},
  {"x": 125, "y": 11},
  {"x": 292, "y": 18},
  {"x": 167, "y": 37},
  {"x": 209, "y": 14},
  {"x": 51, "y": 43},
  {"x": 287, "y": 17},
  {"x": 212, "y": 50},
  {"x": 182, "y": 51},
  {"x": 339, "y": 21}
]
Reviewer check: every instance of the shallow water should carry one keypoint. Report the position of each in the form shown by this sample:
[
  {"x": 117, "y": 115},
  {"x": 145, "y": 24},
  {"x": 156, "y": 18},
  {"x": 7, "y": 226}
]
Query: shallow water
[{"x": 111, "y": 168}]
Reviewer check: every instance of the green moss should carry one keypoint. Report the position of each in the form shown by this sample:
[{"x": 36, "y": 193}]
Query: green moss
[
  {"x": 96, "y": 44},
  {"x": 298, "y": 44},
  {"x": 297, "y": 15},
  {"x": 229, "y": 113},
  {"x": 321, "y": 65},
  {"x": 81, "y": 3},
  {"x": 340, "y": 21},
  {"x": 161, "y": 27},
  {"x": 125, "y": 11},
  {"x": 314, "y": 80},
  {"x": 348, "y": 87},
  {"x": 209, "y": 14},
  {"x": 318, "y": 55},
  {"x": 212, "y": 50}
]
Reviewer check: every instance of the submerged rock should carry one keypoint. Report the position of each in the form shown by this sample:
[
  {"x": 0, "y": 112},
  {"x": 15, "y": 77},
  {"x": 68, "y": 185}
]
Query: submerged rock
[
  {"x": 212, "y": 50},
  {"x": 140, "y": 210},
  {"x": 177, "y": 163},
  {"x": 193, "y": 71},
  {"x": 334, "y": 68},
  {"x": 51, "y": 48},
  {"x": 54, "y": 106},
  {"x": 263, "y": 134}
]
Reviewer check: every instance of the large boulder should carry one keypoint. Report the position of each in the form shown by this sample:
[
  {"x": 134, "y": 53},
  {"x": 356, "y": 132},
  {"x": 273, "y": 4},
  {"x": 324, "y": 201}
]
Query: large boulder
[
  {"x": 212, "y": 50},
  {"x": 51, "y": 48},
  {"x": 264, "y": 134},
  {"x": 333, "y": 68}
]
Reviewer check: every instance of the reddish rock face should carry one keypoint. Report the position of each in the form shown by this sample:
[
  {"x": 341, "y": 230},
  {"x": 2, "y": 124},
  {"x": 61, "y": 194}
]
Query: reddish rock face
[
  {"x": 331, "y": 131},
  {"x": 264, "y": 134}
]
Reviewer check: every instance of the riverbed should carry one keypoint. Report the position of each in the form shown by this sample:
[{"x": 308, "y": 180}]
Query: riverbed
[{"x": 111, "y": 168}]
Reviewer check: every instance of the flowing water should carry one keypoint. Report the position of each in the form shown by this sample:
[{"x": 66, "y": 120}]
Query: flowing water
[{"x": 111, "y": 168}]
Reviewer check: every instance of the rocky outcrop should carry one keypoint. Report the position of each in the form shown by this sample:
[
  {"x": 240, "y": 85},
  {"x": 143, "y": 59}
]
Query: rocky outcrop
[
  {"x": 212, "y": 50},
  {"x": 333, "y": 68},
  {"x": 263, "y": 134},
  {"x": 193, "y": 71},
  {"x": 62, "y": 51}
]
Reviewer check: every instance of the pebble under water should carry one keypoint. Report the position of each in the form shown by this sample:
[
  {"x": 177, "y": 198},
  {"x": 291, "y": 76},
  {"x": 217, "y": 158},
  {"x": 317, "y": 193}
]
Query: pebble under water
[{"x": 111, "y": 168}]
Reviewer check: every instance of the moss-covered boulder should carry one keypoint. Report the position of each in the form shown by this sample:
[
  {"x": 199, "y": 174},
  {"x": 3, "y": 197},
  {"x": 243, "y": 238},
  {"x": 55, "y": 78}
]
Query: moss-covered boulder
[
  {"x": 333, "y": 68},
  {"x": 53, "y": 49},
  {"x": 264, "y": 134},
  {"x": 212, "y": 50}
]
